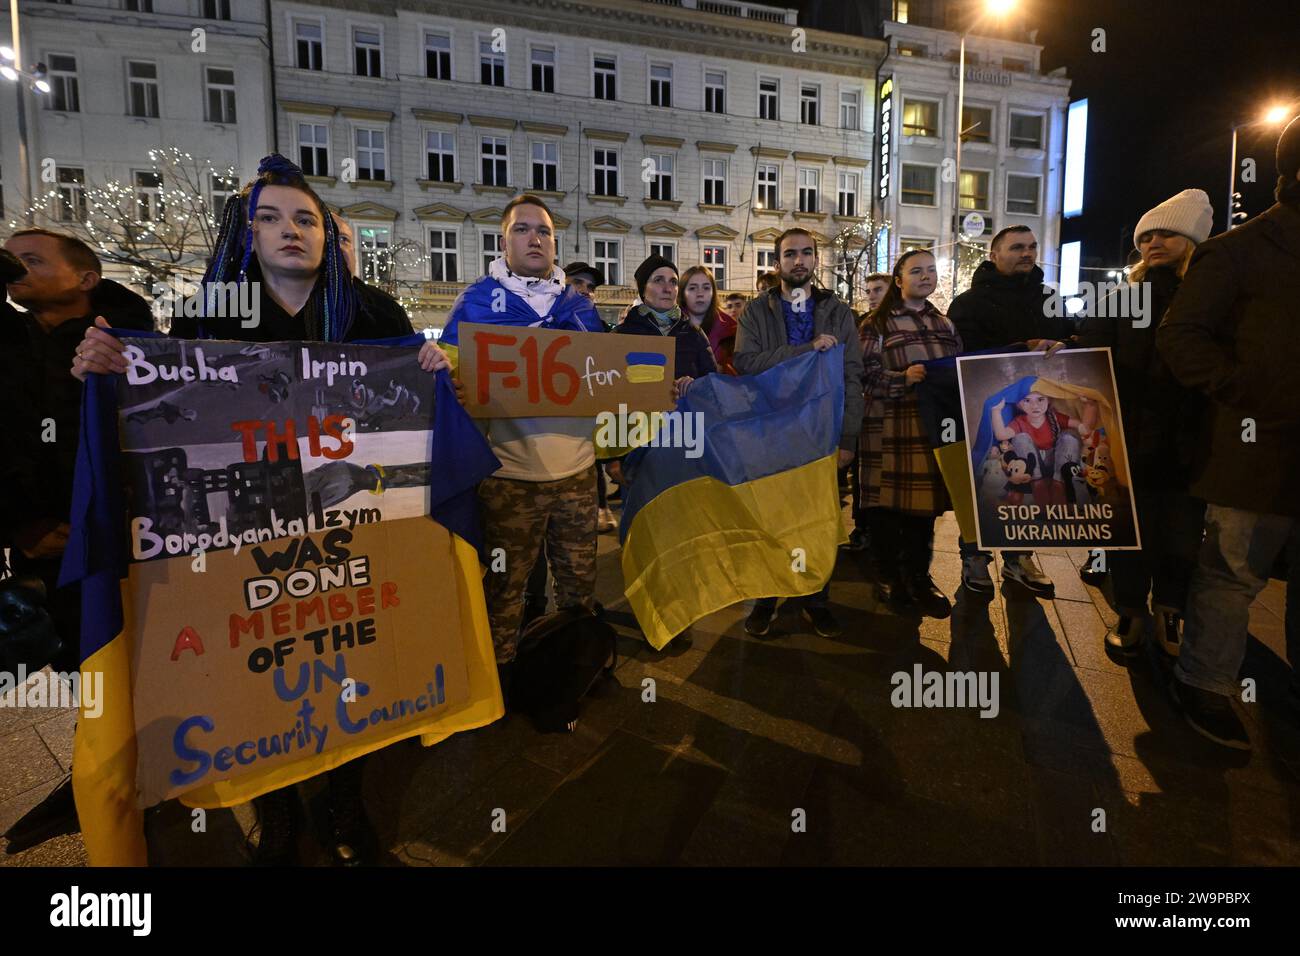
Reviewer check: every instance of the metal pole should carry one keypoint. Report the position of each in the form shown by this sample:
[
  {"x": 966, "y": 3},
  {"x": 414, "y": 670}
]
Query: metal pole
[
  {"x": 23, "y": 162},
  {"x": 1232, "y": 178},
  {"x": 961, "y": 105}
]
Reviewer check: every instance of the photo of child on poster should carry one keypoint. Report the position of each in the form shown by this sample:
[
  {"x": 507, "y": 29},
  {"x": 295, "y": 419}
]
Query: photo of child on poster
[{"x": 1048, "y": 460}]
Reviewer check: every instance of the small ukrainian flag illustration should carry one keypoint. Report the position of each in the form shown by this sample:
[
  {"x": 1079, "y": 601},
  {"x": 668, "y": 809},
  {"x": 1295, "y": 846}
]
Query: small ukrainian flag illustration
[{"x": 645, "y": 367}]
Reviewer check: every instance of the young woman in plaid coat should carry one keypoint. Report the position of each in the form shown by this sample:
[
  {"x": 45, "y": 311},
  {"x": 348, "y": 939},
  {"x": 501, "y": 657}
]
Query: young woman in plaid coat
[{"x": 902, "y": 489}]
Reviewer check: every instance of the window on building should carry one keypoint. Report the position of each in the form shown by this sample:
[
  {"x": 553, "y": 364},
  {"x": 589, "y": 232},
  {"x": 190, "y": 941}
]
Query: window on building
[
  {"x": 604, "y": 78},
  {"x": 975, "y": 190},
  {"x": 606, "y": 255},
  {"x": 367, "y": 52},
  {"x": 71, "y": 201},
  {"x": 142, "y": 80},
  {"x": 605, "y": 168},
  {"x": 220, "y": 89},
  {"x": 543, "y": 64},
  {"x": 920, "y": 118},
  {"x": 850, "y": 114},
  {"x": 444, "y": 261},
  {"x": 372, "y": 154},
  {"x": 492, "y": 248},
  {"x": 494, "y": 164},
  {"x": 148, "y": 196},
  {"x": 905, "y": 244},
  {"x": 714, "y": 173},
  {"x": 661, "y": 84},
  {"x": 309, "y": 45},
  {"x": 809, "y": 184},
  {"x": 222, "y": 188},
  {"x": 491, "y": 65},
  {"x": 911, "y": 49},
  {"x": 715, "y": 92},
  {"x": 769, "y": 98},
  {"x": 809, "y": 103},
  {"x": 1026, "y": 130},
  {"x": 65, "y": 94},
  {"x": 437, "y": 56},
  {"x": 546, "y": 166},
  {"x": 848, "y": 194},
  {"x": 216, "y": 9},
  {"x": 899, "y": 11},
  {"x": 918, "y": 184},
  {"x": 769, "y": 182},
  {"x": 715, "y": 259},
  {"x": 661, "y": 184},
  {"x": 138, "y": 6},
  {"x": 375, "y": 255},
  {"x": 440, "y": 155},
  {"x": 314, "y": 149},
  {"x": 1016, "y": 64},
  {"x": 976, "y": 124},
  {"x": 666, "y": 249},
  {"x": 1022, "y": 194}
]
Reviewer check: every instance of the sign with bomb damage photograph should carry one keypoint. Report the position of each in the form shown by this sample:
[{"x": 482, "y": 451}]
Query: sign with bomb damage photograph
[
  {"x": 1049, "y": 466},
  {"x": 288, "y": 593}
]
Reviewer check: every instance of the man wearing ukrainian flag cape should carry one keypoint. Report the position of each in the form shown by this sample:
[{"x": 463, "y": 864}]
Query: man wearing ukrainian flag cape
[{"x": 545, "y": 489}]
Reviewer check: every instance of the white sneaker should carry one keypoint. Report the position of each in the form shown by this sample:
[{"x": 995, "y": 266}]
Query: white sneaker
[
  {"x": 1167, "y": 626},
  {"x": 605, "y": 520},
  {"x": 975, "y": 573},
  {"x": 1024, "y": 571},
  {"x": 1126, "y": 636}
]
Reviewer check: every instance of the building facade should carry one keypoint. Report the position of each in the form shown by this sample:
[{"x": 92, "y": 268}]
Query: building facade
[
  {"x": 646, "y": 126},
  {"x": 128, "y": 77},
  {"x": 1013, "y": 148}
]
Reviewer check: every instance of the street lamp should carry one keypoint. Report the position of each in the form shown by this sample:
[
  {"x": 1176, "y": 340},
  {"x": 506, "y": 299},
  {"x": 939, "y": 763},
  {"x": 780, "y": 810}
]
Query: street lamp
[
  {"x": 12, "y": 71},
  {"x": 996, "y": 8},
  {"x": 1273, "y": 116}
]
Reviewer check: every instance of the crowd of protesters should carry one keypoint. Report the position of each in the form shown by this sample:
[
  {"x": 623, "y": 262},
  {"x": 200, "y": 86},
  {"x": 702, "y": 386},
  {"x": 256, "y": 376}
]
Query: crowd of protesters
[{"x": 1206, "y": 390}]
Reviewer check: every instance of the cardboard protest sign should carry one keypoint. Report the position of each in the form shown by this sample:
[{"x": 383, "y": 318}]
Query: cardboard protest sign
[
  {"x": 1049, "y": 466},
  {"x": 513, "y": 372},
  {"x": 288, "y": 593}
]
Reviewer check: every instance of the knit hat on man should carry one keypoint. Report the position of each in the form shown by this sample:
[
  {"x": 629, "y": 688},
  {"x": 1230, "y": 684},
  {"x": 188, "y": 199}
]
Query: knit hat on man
[
  {"x": 1188, "y": 214},
  {"x": 648, "y": 268}
]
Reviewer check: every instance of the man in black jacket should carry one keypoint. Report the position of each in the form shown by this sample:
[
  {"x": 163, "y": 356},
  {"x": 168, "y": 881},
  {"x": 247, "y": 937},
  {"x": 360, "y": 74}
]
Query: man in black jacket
[
  {"x": 1007, "y": 304},
  {"x": 1230, "y": 334},
  {"x": 63, "y": 290}
]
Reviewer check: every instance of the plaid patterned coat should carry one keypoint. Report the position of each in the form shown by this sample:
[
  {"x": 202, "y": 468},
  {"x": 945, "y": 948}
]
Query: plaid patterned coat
[{"x": 898, "y": 466}]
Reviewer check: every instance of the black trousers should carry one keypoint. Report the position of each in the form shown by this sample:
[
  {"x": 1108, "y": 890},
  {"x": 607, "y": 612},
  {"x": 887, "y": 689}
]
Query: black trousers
[
  {"x": 902, "y": 544},
  {"x": 1172, "y": 523}
]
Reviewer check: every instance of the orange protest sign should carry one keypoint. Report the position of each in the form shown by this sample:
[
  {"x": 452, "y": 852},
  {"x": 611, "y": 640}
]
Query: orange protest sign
[{"x": 512, "y": 372}]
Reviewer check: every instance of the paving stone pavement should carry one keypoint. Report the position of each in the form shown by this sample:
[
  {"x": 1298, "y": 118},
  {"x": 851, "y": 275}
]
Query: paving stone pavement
[{"x": 787, "y": 750}]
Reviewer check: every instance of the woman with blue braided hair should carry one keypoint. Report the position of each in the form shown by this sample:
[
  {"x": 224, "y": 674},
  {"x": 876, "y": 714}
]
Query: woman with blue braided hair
[{"x": 280, "y": 235}]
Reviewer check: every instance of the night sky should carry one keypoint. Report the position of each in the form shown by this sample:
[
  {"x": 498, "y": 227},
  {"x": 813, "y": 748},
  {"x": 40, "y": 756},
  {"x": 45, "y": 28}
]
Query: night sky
[{"x": 1175, "y": 75}]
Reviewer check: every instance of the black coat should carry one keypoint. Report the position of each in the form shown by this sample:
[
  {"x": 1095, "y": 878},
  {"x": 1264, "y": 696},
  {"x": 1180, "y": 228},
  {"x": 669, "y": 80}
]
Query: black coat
[
  {"x": 379, "y": 316},
  {"x": 1162, "y": 418},
  {"x": 36, "y": 475},
  {"x": 693, "y": 355},
  {"x": 1230, "y": 334},
  {"x": 998, "y": 310}
]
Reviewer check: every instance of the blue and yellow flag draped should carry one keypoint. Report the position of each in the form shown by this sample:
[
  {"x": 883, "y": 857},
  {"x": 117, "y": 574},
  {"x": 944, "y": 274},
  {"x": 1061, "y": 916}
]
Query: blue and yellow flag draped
[
  {"x": 105, "y": 754},
  {"x": 757, "y": 514},
  {"x": 489, "y": 302}
]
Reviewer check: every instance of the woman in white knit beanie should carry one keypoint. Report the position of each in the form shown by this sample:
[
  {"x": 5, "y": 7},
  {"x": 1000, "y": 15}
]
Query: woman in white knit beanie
[{"x": 1162, "y": 422}]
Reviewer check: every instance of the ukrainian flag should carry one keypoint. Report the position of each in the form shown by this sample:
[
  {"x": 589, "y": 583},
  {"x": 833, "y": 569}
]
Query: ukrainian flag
[
  {"x": 757, "y": 515},
  {"x": 104, "y": 748},
  {"x": 645, "y": 367}
]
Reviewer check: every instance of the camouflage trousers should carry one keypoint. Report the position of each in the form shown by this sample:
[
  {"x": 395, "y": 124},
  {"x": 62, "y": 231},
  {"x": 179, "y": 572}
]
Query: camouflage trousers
[{"x": 517, "y": 516}]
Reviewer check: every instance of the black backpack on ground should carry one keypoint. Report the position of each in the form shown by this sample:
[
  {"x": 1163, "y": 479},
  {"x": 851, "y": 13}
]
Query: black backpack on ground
[{"x": 561, "y": 657}]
